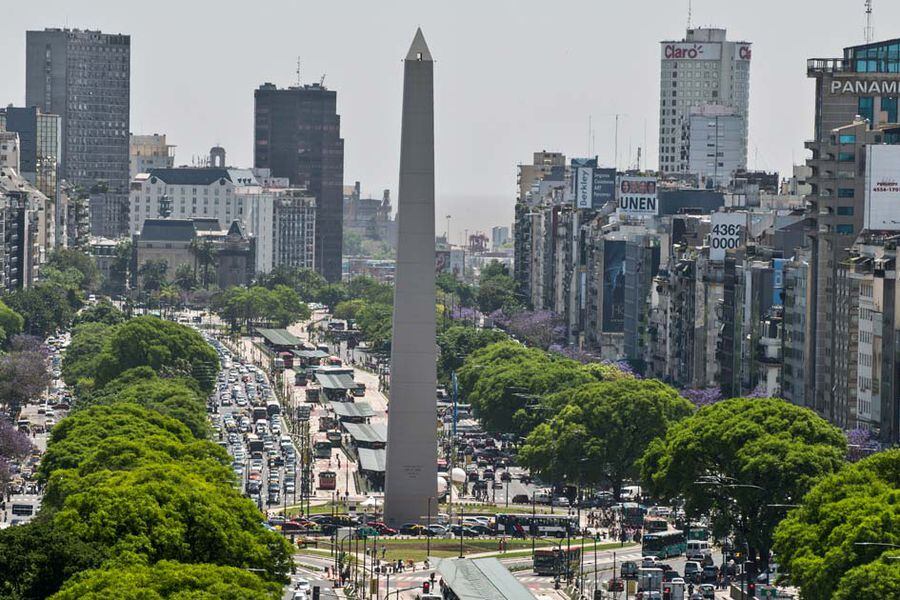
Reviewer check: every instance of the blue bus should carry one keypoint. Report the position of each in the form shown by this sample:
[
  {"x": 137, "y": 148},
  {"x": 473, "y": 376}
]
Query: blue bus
[{"x": 663, "y": 544}]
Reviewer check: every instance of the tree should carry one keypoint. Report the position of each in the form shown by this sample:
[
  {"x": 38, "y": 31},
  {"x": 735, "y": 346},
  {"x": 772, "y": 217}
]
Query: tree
[
  {"x": 167, "y": 579},
  {"x": 600, "y": 431},
  {"x": 64, "y": 259},
  {"x": 540, "y": 329},
  {"x": 153, "y": 274},
  {"x": 76, "y": 438},
  {"x": 818, "y": 543},
  {"x": 166, "y": 347},
  {"x": 288, "y": 307},
  {"x": 103, "y": 311},
  {"x": 755, "y": 454},
  {"x": 205, "y": 256},
  {"x": 185, "y": 277},
  {"x": 353, "y": 243},
  {"x": 457, "y": 342},
  {"x": 332, "y": 294},
  {"x": 375, "y": 322},
  {"x": 35, "y": 559},
  {"x": 14, "y": 446},
  {"x": 177, "y": 398},
  {"x": 349, "y": 309},
  {"x": 44, "y": 308},
  {"x": 370, "y": 289},
  {"x": 83, "y": 354},
  {"x": 166, "y": 512},
  {"x": 120, "y": 269},
  {"x": 497, "y": 293},
  {"x": 11, "y": 323},
  {"x": 505, "y": 381},
  {"x": 23, "y": 377}
]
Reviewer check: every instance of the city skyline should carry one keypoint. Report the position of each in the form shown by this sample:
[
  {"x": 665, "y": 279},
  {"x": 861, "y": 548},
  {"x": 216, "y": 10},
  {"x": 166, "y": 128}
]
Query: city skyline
[{"x": 507, "y": 108}]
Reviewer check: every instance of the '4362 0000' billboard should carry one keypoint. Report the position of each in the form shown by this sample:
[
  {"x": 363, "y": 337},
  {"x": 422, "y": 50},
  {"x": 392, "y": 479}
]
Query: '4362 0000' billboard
[{"x": 727, "y": 233}]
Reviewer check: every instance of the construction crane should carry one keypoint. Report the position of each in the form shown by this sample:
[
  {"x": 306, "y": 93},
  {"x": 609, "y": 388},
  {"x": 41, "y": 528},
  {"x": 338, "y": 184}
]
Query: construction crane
[{"x": 322, "y": 80}]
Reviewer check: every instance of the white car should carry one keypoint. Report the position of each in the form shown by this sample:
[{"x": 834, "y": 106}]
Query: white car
[{"x": 302, "y": 585}]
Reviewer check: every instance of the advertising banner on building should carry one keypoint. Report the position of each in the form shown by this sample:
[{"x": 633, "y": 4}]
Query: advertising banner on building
[
  {"x": 727, "y": 232},
  {"x": 584, "y": 187},
  {"x": 604, "y": 186},
  {"x": 636, "y": 196},
  {"x": 613, "y": 286},
  {"x": 691, "y": 51},
  {"x": 441, "y": 261},
  {"x": 882, "y": 211}
]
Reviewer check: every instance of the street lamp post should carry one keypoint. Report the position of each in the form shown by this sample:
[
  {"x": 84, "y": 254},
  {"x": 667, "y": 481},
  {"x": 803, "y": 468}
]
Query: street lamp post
[{"x": 428, "y": 532}]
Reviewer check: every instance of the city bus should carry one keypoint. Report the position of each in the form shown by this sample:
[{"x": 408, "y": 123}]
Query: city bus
[
  {"x": 327, "y": 480},
  {"x": 632, "y": 514},
  {"x": 553, "y": 562},
  {"x": 663, "y": 544},
  {"x": 321, "y": 446},
  {"x": 655, "y": 524},
  {"x": 536, "y": 525}
]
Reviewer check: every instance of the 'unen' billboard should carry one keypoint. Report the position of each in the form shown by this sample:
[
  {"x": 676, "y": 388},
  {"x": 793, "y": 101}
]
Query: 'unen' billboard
[
  {"x": 636, "y": 196},
  {"x": 882, "y": 211}
]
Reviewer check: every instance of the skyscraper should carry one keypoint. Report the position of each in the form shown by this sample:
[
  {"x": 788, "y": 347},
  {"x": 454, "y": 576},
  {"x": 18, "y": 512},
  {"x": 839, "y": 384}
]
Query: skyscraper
[
  {"x": 411, "y": 469},
  {"x": 703, "y": 68},
  {"x": 297, "y": 134},
  {"x": 84, "y": 77}
]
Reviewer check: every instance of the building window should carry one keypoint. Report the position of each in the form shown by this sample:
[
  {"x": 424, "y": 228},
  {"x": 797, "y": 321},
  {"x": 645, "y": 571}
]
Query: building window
[
  {"x": 866, "y": 108},
  {"x": 846, "y": 156},
  {"x": 844, "y": 229},
  {"x": 845, "y": 211},
  {"x": 846, "y": 193}
]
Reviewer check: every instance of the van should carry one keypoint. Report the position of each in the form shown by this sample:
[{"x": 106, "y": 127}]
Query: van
[{"x": 698, "y": 550}]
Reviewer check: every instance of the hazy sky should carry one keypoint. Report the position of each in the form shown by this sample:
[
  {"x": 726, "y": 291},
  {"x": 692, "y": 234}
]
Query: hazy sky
[{"x": 511, "y": 76}]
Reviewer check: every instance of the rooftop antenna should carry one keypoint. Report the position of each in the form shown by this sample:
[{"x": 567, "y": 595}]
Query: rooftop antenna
[
  {"x": 322, "y": 80},
  {"x": 298, "y": 71},
  {"x": 690, "y": 12},
  {"x": 870, "y": 31}
]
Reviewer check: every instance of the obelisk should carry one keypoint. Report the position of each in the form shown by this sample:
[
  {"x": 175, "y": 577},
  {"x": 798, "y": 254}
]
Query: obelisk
[{"x": 411, "y": 469}]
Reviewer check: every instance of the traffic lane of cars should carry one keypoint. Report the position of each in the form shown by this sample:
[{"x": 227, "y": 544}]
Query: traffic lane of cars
[{"x": 36, "y": 419}]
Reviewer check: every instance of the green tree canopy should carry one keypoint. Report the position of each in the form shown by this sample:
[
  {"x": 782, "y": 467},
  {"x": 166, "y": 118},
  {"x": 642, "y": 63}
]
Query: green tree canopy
[
  {"x": 103, "y": 311},
  {"x": 168, "y": 580},
  {"x": 11, "y": 323},
  {"x": 44, "y": 307},
  {"x": 778, "y": 448},
  {"x": 77, "y": 436},
  {"x": 178, "y": 398},
  {"x": 600, "y": 431},
  {"x": 65, "y": 259},
  {"x": 505, "y": 381},
  {"x": 458, "y": 342},
  {"x": 35, "y": 559},
  {"x": 166, "y": 512},
  {"x": 166, "y": 347},
  {"x": 83, "y": 353},
  {"x": 375, "y": 322},
  {"x": 369, "y": 289},
  {"x": 818, "y": 543}
]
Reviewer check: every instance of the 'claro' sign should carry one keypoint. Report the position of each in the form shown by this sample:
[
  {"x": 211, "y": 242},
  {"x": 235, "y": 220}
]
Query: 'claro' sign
[{"x": 690, "y": 51}]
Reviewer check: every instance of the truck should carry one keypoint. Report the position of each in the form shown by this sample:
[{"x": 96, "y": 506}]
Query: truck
[{"x": 650, "y": 579}]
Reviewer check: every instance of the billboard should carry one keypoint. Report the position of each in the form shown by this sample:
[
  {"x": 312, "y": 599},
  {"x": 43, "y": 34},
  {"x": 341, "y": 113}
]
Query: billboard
[
  {"x": 584, "y": 187},
  {"x": 441, "y": 261},
  {"x": 636, "y": 196},
  {"x": 727, "y": 232},
  {"x": 691, "y": 51},
  {"x": 882, "y": 210},
  {"x": 743, "y": 52},
  {"x": 604, "y": 186},
  {"x": 613, "y": 286}
]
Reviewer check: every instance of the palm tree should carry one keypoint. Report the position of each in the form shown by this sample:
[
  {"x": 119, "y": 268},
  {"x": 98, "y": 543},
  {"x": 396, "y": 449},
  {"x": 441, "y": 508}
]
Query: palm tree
[
  {"x": 205, "y": 256},
  {"x": 168, "y": 297},
  {"x": 153, "y": 274},
  {"x": 185, "y": 277}
]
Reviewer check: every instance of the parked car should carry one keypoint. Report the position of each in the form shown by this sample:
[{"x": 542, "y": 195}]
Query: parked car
[{"x": 412, "y": 529}]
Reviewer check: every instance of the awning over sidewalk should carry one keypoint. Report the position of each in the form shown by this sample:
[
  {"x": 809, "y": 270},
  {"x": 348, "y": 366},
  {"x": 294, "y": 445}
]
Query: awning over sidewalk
[
  {"x": 336, "y": 380},
  {"x": 358, "y": 410},
  {"x": 370, "y": 434},
  {"x": 372, "y": 460}
]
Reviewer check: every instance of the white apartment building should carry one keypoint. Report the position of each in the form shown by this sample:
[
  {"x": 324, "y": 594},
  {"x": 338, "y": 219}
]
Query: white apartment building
[
  {"x": 716, "y": 144},
  {"x": 703, "y": 68},
  {"x": 224, "y": 194}
]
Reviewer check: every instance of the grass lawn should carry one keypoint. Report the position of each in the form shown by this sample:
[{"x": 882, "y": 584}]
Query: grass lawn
[{"x": 416, "y": 549}]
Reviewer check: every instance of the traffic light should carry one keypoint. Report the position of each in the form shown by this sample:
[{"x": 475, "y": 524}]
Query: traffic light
[
  {"x": 667, "y": 593},
  {"x": 426, "y": 586},
  {"x": 751, "y": 589}
]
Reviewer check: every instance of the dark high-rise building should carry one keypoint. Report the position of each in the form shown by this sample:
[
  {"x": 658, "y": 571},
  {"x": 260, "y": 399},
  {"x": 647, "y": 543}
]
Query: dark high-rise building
[
  {"x": 297, "y": 134},
  {"x": 84, "y": 77}
]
